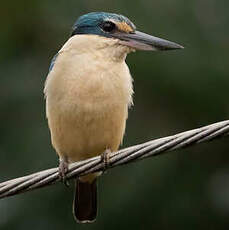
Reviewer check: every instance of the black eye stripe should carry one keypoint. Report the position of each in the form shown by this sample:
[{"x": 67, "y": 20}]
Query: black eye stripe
[{"x": 108, "y": 26}]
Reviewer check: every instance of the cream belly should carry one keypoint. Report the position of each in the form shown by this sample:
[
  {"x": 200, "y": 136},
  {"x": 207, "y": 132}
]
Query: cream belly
[{"x": 87, "y": 133}]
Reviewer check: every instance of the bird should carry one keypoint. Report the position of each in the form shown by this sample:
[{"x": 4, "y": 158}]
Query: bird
[{"x": 88, "y": 91}]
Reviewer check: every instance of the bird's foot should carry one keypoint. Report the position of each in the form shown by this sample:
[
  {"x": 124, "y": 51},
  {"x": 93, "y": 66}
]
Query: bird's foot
[
  {"x": 63, "y": 169},
  {"x": 105, "y": 158}
]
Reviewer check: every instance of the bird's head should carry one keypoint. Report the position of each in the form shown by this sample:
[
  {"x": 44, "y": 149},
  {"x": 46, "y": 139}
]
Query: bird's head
[{"x": 114, "y": 26}]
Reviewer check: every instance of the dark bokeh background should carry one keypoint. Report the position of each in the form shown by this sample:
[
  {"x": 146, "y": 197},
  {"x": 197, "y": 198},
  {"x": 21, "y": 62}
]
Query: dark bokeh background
[{"x": 174, "y": 92}]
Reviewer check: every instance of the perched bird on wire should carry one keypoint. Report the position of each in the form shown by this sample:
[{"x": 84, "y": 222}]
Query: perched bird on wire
[{"x": 88, "y": 91}]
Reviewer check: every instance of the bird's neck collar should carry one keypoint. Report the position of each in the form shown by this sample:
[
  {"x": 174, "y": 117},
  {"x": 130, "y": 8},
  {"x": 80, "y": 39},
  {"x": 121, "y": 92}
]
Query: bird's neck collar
[{"x": 107, "y": 49}]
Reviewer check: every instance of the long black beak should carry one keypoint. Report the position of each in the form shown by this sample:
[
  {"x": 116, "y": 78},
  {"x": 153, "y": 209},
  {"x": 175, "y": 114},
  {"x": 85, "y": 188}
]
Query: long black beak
[{"x": 142, "y": 41}]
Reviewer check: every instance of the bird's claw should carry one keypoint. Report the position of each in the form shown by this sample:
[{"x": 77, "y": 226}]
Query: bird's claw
[
  {"x": 105, "y": 158},
  {"x": 63, "y": 169}
]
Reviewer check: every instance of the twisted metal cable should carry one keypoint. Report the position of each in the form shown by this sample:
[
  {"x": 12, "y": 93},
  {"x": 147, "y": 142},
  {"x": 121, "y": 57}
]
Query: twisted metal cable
[{"x": 124, "y": 156}]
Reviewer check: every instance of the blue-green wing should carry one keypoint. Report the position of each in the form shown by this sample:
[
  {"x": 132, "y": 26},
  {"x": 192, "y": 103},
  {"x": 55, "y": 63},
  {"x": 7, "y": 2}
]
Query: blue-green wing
[{"x": 53, "y": 62}]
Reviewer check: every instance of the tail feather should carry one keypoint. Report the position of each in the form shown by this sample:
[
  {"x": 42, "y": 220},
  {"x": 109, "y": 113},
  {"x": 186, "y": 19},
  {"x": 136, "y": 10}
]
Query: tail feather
[{"x": 85, "y": 201}]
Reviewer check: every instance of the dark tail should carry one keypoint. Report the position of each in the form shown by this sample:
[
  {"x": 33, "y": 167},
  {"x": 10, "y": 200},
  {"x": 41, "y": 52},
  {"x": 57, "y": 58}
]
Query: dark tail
[{"x": 85, "y": 201}]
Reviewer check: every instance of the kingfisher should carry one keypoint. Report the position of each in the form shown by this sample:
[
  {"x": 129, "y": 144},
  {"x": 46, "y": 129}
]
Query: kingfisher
[{"x": 88, "y": 91}]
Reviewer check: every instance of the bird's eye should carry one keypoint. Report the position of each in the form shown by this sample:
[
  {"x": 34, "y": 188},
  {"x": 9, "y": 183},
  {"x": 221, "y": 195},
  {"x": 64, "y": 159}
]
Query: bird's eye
[{"x": 108, "y": 26}]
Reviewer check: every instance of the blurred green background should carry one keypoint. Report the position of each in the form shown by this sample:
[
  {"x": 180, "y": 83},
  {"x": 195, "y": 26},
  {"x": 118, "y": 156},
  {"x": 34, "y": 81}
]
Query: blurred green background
[{"x": 174, "y": 91}]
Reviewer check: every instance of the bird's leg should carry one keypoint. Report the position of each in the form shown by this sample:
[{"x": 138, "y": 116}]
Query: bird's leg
[
  {"x": 105, "y": 157},
  {"x": 63, "y": 169}
]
